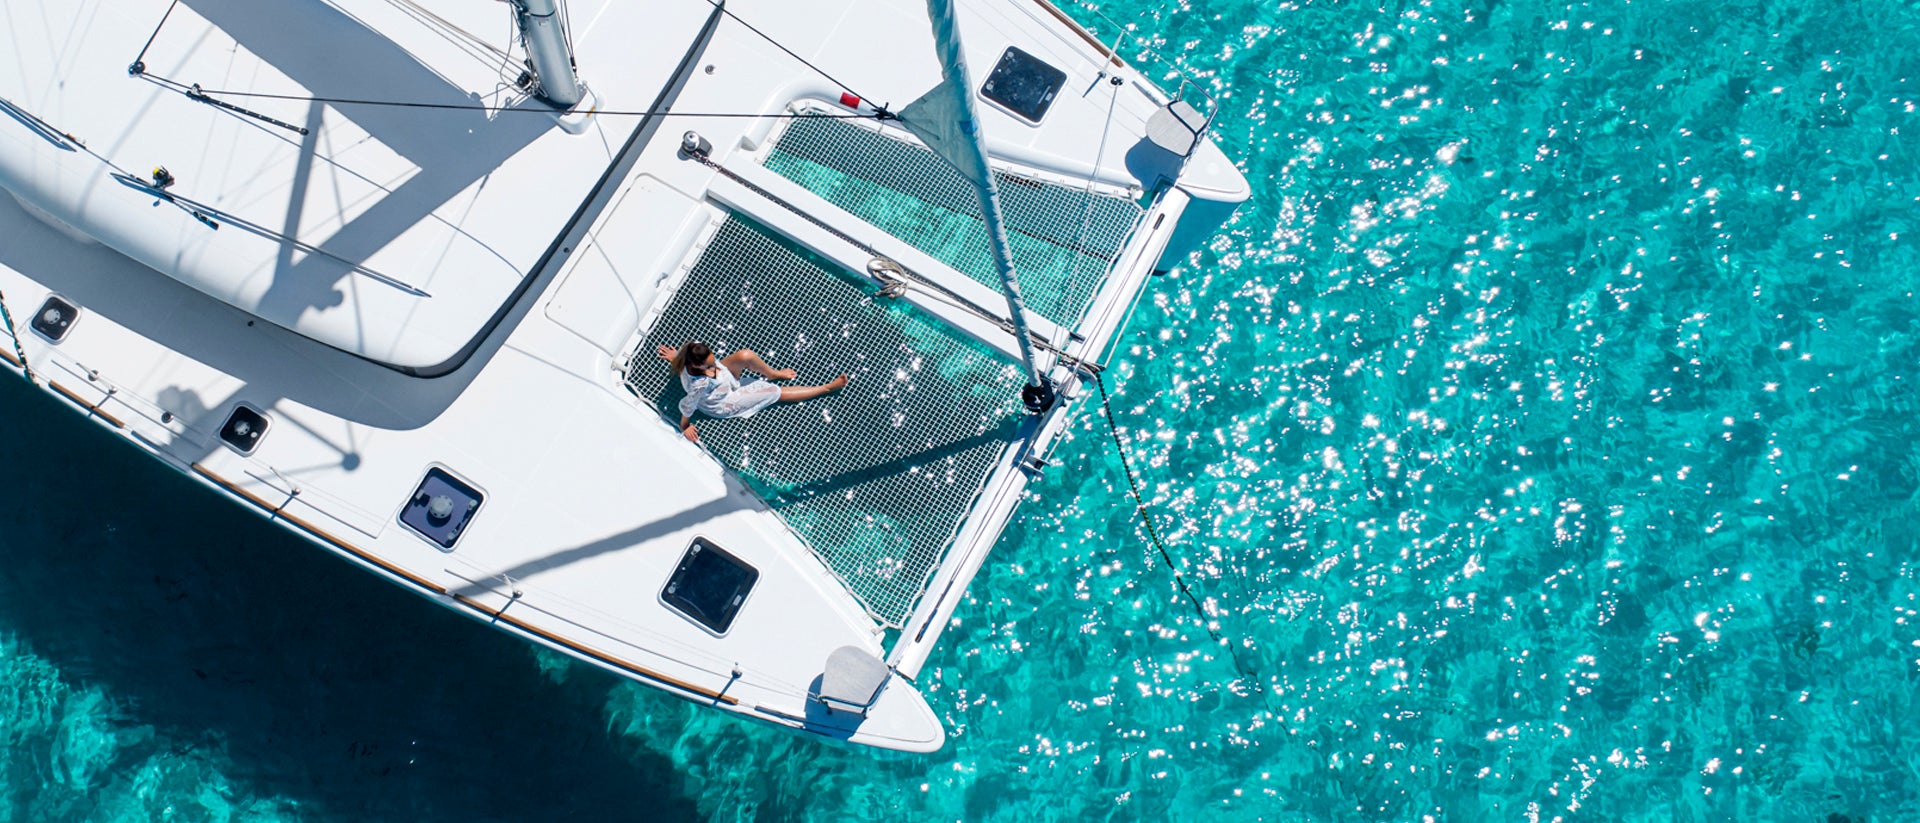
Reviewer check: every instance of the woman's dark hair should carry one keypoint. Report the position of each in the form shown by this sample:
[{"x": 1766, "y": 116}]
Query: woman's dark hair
[{"x": 694, "y": 354}]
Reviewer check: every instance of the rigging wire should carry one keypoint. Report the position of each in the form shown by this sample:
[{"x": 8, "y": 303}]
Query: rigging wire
[
  {"x": 1099, "y": 156},
  {"x": 139, "y": 61},
  {"x": 138, "y": 69},
  {"x": 467, "y": 41},
  {"x": 722, "y": 6},
  {"x": 191, "y": 89},
  {"x": 506, "y": 56},
  {"x": 566, "y": 28},
  {"x": 1146, "y": 518}
]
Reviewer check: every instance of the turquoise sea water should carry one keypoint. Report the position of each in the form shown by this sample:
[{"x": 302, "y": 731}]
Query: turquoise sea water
[{"x": 1541, "y": 433}]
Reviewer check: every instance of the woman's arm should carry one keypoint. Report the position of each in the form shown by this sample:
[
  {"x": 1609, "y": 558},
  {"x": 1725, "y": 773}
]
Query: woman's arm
[{"x": 686, "y": 428}]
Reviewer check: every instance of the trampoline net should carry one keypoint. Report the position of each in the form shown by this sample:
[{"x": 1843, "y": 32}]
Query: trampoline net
[
  {"x": 1064, "y": 239},
  {"x": 877, "y": 477}
]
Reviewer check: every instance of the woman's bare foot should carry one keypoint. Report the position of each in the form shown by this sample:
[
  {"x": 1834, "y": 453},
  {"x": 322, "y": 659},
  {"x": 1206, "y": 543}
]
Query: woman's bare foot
[
  {"x": 782, "y": 374},
  {"x": 793, "y": 393}
]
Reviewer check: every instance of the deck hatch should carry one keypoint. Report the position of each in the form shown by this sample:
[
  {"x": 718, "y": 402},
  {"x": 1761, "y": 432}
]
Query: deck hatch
[
  {"x": 244, "y": 427},
  {"x": 1065, "y": 238},
  {"x": 441, "y": 507},
  {"x": 877, "y": 478},
  {"x": 55, "y": 318},
  {"x": 709, "y": 586},
  {"x": 1023, "y": 84}
]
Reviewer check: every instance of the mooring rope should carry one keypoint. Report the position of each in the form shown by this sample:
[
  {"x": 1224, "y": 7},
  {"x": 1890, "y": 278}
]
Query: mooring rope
[
  {"x": 1153, "y": 534},
  {"x": 15, "y": 337}
]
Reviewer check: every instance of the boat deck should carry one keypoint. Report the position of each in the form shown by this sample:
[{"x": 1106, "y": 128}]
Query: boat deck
[
  {"x": 848, "y": 508},
  {"x": 877, "y": 477},
  {"x": 1064, "y": 237}
]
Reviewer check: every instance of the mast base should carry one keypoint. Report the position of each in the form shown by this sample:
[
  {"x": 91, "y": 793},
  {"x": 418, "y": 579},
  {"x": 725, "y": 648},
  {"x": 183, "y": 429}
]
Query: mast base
[
  {"x": 1038, "y": 397},
  {"x": 577, "y": 119}
]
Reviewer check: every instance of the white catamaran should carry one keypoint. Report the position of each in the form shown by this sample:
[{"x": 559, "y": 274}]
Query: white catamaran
[{"x": 393, "y": 273}]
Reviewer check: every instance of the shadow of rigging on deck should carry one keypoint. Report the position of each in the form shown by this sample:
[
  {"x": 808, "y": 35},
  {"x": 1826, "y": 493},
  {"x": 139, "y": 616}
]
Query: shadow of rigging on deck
[
  {"x": 847, "y": 470},
  {"x": 451, "y": 148},
  {"x": 731, "y": 502},
  {"x": 850, "y": 478}
]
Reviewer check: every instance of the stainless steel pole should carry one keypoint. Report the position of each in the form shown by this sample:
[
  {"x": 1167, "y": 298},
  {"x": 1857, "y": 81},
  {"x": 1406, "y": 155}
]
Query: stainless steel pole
[{"x": 547, "y": 47}]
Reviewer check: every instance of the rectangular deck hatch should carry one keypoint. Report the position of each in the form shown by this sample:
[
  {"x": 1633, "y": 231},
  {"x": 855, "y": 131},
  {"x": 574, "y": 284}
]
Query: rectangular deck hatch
[
  {"x": 55, "y": 318},
  {"x": 244, "y": 428},
  {"x": 1023, "y": 84},
  {"x": 441, "y": 507},
  {"x": 709, "y": 586}
]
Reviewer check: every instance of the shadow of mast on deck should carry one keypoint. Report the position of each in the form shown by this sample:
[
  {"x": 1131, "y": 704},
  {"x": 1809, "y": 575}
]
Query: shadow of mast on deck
[{"x": 335, "y": 56}]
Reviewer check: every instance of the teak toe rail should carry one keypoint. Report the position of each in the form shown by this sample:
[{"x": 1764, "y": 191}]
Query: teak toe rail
[{"x": 279, "y": 511}]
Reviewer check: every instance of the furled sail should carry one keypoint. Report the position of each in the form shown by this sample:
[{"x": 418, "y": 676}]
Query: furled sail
[{"x": 946, "y": 119}]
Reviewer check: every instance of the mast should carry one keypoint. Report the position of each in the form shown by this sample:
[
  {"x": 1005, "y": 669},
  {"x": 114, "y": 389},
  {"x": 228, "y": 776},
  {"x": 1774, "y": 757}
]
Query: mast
[
  {"x": 547, "y": 51},
  {"x": 935, "y": 118}
]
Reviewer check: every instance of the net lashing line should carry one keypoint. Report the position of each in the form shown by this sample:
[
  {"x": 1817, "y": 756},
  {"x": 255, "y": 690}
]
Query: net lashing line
[
  {"x": 1064, "y": 239},
  {"x": 1153, "y": 535},
  {"x": 877, "y": 478}
]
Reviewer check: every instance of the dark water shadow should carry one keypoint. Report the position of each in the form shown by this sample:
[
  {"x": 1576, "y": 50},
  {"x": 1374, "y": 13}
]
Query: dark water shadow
[{"x": 318, "y": 682}]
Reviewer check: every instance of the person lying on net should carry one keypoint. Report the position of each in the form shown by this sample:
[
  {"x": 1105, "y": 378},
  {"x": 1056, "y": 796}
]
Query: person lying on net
[{"x": 713, "y": 390}]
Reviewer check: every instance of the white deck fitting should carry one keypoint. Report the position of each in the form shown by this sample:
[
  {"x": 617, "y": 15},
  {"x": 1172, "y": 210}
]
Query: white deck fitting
[{"x": 591, "y": 497}]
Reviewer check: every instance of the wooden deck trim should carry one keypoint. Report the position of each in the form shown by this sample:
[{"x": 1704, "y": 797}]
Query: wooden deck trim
[
  {"x": 493, "y": 614},
  {"x": 92, "y": 408},
  {"x": 100, "y": 413},
  {"x": 71, "y": 395},
  {"x": 8, "y": 355},
  {"x": 281, "y": 512},
  {"x": 629, "y": 666},
  {"x": 1082, "y": 31}
]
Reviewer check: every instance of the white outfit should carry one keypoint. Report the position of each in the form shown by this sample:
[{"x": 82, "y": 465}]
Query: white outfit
[{"x": 723, "y": 395}]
